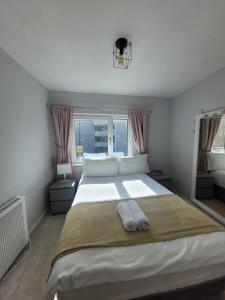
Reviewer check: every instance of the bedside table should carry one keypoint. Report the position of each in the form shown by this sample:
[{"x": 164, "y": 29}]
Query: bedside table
[
  {"x": 163, "y": 179},
  {"x": 204, "y": 186},
  {"x": 61, "y": 196}
]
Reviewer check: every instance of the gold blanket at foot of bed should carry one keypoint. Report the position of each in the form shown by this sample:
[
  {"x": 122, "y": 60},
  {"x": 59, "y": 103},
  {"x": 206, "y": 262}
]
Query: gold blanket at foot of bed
[{"x": 98, "y": 224}]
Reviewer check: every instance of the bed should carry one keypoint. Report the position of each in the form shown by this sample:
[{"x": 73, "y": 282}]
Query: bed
[
  {"x": 120, "y": 273},
  {"x": 117, "y": 188}
]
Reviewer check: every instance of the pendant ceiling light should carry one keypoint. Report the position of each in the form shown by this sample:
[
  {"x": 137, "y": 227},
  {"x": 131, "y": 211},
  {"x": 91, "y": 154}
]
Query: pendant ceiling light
[{"x": 122, "y": 53}]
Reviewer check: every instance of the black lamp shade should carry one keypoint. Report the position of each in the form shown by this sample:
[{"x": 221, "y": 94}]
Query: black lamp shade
[{"x": 122, "y": 53}]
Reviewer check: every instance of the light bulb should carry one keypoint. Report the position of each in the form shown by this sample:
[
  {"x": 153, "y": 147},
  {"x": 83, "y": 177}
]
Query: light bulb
[{"x": 120, "y": 59}]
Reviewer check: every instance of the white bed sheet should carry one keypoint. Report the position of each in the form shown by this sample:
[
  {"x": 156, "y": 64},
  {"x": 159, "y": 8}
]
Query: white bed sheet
[
  {"x": 219, "y": 178},
  {"x": 98, "y": 267},
  {"x": 93, "y": 189}
]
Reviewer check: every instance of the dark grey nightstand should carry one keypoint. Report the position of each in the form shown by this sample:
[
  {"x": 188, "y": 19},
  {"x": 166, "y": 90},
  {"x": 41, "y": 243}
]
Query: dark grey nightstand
[
  {"x": 163, "y": 179},
  {"x": 204, "y": 186},
  {"x": 61, "y": 196}
]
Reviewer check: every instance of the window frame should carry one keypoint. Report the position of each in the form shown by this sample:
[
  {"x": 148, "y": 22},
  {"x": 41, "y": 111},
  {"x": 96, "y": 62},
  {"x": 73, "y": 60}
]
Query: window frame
[
  {"x": 109, "y": 118},
  {"x": 219, "y": 149}
]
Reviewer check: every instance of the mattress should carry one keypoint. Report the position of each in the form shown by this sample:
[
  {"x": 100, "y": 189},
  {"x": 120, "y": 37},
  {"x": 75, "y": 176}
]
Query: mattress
[
  {"x": 129, "y": 272},
  {"x": 219, "y": 178}
]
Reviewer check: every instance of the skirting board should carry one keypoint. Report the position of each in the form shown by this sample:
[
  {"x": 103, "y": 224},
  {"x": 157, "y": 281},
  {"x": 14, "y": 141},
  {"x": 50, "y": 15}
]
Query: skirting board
[{"x": 36, "y": 223}]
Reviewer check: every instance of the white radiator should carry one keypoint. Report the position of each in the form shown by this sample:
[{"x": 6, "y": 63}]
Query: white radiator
[{"x": 13, "y": 232}]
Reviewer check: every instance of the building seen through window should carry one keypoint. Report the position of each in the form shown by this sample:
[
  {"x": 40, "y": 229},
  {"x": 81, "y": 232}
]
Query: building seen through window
[{"x": 93, "y": 137}]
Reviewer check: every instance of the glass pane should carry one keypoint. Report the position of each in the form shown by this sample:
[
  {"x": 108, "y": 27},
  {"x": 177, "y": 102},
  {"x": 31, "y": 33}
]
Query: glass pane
[
  {"x": 91, "y": 138},
  {"x": 219, "y": 142},
  {"x": 120, "y": 137}
]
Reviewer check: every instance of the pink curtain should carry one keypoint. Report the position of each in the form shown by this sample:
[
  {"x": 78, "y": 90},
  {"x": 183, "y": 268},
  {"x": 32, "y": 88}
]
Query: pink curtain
[
  {"x": 207, "y": 134},
  {"x": 62, "y": 120},
  {"x": 139, "y": 124}
]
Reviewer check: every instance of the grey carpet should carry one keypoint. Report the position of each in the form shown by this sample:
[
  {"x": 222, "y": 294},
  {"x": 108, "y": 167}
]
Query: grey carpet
[
  {"x": 26, "y": 280},
  {"x": 216, "y": 204}
]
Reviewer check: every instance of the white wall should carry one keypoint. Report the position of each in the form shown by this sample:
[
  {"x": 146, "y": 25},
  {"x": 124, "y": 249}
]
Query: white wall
[
  {"x": 206, "y": 96},
  {"x": 25, "y": 152},
  {"x": 160, "y": 119}
]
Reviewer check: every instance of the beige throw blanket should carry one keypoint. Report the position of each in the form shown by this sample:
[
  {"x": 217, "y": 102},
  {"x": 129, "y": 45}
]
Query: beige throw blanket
[{"x": 98, "y": 224}]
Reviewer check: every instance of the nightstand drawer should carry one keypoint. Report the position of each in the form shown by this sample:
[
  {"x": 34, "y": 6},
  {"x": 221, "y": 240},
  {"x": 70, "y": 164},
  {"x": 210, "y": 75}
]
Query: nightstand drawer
[
  {"x": 204, "y": 183},
  {"x": 60, "y": 206},
  {"x": 166, "y": 183},
  {"x": 62, "y": 194},
  {"x": 204, "y": 193},
  {"x": 162, "y": 179}
]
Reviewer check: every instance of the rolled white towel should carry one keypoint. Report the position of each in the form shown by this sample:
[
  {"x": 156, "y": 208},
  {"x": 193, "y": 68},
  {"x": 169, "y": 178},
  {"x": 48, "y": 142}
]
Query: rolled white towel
[
  {"x": 126, "y": 216},
  {"x": 143, "y": 222}
]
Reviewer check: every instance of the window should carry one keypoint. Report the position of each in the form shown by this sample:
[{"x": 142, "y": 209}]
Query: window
[
  {"x": 120, "y": 137},
  {"x": 219, "y": 142},
  {"x": 100, "y": 136}
]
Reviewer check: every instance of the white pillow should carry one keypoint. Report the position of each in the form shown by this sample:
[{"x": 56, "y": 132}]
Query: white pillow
[
  {"x": 216, "y": 161},
  {"x": 107, "y": 166},
  {"x": 133, "y": 164}
]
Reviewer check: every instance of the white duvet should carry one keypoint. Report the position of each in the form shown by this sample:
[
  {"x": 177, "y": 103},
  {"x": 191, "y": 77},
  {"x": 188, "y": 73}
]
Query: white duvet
[{"x": 201, "y": 256}]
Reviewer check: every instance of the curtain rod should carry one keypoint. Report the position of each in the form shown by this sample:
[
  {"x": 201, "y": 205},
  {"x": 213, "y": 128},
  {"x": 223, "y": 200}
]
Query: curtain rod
[
  {"x": 103, "y": 108},
  {"x": 218, "y": 112},
  {"x": 214, "y": 115}
]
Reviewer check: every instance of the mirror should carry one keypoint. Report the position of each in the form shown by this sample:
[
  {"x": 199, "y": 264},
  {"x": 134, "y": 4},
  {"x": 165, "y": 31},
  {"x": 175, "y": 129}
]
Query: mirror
[{"x": 210, "y": 177}]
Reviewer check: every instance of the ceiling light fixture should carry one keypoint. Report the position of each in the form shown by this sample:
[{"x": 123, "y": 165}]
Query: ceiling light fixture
[{"x": 122, "y": 53}]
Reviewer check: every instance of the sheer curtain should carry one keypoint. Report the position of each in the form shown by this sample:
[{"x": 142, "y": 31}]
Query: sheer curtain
[
  {"x": 139, "y": 125},
  {"x": 207, "y": 134},
  {"x": 62, "y": 120}
]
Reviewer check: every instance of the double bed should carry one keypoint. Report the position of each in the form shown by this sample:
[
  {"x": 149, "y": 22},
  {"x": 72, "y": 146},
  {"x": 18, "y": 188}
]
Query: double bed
[{"x": 128, "y": 272}]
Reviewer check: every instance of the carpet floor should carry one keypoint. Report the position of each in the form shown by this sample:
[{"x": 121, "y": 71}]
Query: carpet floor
[
  {"x": 26, "y": 280},
  {"x": 216, "y": 204}
]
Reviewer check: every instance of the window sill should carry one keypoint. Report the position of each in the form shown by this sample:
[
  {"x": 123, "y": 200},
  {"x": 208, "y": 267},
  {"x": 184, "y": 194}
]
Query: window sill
[
  {"x": 218, "y": 151},
  {"x": 77, "y": 164}
]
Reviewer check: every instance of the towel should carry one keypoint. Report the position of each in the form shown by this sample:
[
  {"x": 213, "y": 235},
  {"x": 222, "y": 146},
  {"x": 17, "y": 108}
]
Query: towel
[
  {"x": 126, "y": 216},
  {"x": 143, "y": 222}
]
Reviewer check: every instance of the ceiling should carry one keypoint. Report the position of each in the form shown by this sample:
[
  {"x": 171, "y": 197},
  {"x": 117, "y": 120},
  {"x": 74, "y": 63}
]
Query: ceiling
[{"x": 67, "y": 44}]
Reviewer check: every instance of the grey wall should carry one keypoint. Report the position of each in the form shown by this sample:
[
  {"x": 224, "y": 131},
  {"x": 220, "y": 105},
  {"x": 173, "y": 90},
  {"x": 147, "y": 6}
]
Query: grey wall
[
  {"x": 206, "y": 96},
  {"x": 160, "y": 119},
  {"x": 25, "y": 152}
]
